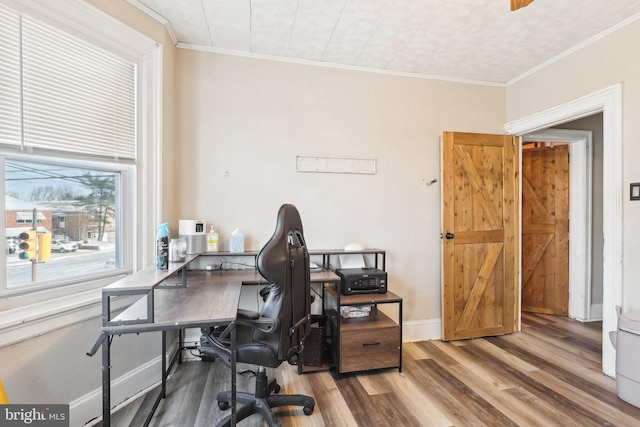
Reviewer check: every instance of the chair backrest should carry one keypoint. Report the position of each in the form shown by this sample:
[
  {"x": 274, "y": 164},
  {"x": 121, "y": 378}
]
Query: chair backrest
[{"x": 284, "y": 262}]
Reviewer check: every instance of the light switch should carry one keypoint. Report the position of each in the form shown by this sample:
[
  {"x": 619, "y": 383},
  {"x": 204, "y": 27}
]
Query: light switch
[{"x": 635, "y": 191}]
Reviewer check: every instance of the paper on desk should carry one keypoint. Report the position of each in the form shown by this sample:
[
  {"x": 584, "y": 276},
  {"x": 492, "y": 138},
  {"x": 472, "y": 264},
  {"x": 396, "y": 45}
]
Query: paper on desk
[{"x": 352, "y": 261}]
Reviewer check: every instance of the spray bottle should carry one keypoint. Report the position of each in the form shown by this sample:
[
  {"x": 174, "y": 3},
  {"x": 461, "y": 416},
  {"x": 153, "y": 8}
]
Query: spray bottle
[{"x": 162, "y": 247}]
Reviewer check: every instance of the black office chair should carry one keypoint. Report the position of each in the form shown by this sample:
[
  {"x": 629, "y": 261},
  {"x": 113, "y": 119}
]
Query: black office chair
[{"x": 277, "y": 333}]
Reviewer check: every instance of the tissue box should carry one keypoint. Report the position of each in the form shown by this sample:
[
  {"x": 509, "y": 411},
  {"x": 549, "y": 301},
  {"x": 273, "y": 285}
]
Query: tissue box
[{"x": 236, "y": 243}]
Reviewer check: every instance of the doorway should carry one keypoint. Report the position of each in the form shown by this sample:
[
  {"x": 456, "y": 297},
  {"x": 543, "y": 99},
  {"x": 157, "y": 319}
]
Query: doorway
[
  {"x": 545, "y": 228},
  {"x": 580, "y": 142},
  {"x": 609, "y": 102}
]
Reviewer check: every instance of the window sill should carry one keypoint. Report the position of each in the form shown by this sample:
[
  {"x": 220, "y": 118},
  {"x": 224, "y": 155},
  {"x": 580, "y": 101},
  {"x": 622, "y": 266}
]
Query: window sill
[{"x": 26, "y": 322}]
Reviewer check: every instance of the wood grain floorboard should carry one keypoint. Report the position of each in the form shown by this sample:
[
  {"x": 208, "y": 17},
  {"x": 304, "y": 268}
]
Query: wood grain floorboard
[
  {"x": 452, "y": 406},
  {"x": 571, "y": 375},
  {"x": 547, "y": 375},
  {"x": 424, "y": 407},
  {"x": 335, "y": 411},
  {"x": 374, "y": 410},
  {"x": 577, "y": 415},
  {"x": 471, "y": 401},
  {"x": 498, "y": 392}
]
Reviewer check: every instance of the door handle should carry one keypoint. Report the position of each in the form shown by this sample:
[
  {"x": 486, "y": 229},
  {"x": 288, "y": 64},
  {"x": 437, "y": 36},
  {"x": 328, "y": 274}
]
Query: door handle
[{"x": 449, "y": 235}]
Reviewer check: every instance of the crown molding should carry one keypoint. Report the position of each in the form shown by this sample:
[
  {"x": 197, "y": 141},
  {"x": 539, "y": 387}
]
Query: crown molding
[
  {"x": 574, "y": 49},
  {"x": 334, "y": 65},
  {"x": 161, "y": 19}
]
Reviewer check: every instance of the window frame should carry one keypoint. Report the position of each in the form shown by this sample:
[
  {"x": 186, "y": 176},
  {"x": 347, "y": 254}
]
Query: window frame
[
  {"x": 30, "y": 312},
  {"x": 125, "y": 228}
]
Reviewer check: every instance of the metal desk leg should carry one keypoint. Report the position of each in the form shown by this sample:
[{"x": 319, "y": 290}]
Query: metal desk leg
[
  {"x": 164, "y": 364},
  {"x": 106, "y": 381},
  {"x": 400, "y": 317},
  {"x": 166, "y": 368},
  {"x": 233, "y": 374}
]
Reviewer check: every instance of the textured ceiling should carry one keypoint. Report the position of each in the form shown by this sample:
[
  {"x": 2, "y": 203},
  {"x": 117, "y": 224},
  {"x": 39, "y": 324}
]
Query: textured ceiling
[{"x": 479, "y": 40}]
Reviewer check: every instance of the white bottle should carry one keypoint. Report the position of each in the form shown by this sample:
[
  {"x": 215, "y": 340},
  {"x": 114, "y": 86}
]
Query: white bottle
[{"x": 212, "y": 241}]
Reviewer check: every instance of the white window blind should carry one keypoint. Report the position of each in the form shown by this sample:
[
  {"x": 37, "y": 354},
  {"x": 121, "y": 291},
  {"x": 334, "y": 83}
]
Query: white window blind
[
  {"x": 10, "y": 104},
  {"x": 76, "y": 97}
]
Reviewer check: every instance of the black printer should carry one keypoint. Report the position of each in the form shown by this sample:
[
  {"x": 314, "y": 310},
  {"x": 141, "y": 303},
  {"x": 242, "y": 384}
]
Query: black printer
[{"x": 367, "y": 280}]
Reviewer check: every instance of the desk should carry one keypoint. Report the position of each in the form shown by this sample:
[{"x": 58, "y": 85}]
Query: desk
[{"x": 206, "y": 299}]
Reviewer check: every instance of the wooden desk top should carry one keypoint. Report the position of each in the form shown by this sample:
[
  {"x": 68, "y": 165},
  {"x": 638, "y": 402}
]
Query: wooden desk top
[
  {"x": 147, "y": 278},
  {"x": 210, "y": 298}
]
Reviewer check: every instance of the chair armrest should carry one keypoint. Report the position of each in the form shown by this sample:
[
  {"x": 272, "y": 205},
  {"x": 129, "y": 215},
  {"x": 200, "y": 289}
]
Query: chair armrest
[
  {"x": 263, "y": 324},
  {"x": 247, "y": 314},
  {"x": 253, "y": 320}
]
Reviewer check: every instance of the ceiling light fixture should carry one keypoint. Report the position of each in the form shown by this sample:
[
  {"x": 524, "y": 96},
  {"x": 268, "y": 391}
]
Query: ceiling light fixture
[{"x": 517, "y": 4}]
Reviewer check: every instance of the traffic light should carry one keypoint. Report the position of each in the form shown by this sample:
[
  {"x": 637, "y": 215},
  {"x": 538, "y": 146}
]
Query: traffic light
[
  {"x": 27, "y": 245},
  {"x": 44, "y": 247}
]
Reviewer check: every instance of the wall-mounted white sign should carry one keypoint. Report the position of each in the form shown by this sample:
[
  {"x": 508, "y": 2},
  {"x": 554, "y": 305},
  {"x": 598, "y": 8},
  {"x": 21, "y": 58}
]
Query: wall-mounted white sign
[{"x": 335, "y": 165}]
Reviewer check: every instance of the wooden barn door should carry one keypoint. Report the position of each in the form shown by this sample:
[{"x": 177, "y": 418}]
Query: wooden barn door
[
  {"x": 480, "y": 235},
  {"x": 545, "y": 229}
]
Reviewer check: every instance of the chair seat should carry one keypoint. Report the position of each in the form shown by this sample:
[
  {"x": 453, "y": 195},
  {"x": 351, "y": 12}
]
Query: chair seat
[
  {"x": 257, "y": 354},
  {"x": 253, "y": 353}
]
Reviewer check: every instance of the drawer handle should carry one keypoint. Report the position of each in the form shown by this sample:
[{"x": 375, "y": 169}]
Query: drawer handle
[{"x": 366, "y": 344}]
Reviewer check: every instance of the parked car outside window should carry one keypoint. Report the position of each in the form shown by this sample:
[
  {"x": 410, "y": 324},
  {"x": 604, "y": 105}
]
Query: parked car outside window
[
  {"x": 63, "y": 246},
  {"x": 12, "y": 247}
]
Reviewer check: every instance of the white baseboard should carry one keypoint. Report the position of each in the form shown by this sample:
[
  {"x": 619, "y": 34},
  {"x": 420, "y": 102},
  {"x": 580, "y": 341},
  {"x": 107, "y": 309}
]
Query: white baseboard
[
  {"x": 422, "y": 330},
  {"x": 87, "y": 410}
]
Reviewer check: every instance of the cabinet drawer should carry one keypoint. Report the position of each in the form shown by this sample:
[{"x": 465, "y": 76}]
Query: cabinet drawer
[{"x": 369, "y": 349}]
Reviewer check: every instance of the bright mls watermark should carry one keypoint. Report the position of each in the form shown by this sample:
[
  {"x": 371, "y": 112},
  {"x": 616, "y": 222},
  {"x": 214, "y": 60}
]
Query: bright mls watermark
[{"x": 34, "y": 415}]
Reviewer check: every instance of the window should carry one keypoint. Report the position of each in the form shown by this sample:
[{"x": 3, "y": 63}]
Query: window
[
  {"x": 75, "y": 103},
  {"x": 75, "y": 209},
  {"x": 79, "y": 154}
]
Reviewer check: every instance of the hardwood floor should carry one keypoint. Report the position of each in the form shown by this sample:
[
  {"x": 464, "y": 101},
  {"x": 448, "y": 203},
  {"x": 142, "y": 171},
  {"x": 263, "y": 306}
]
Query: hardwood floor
[{"x": 547, "y": 375}]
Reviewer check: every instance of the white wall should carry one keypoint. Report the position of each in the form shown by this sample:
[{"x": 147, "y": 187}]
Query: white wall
[
  {"x": 610, "y": 60},
  {"x": 251, "y": 117}
]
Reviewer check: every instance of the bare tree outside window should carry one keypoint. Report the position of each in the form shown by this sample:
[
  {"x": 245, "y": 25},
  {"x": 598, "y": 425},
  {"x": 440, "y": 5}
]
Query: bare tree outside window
[{"x": 100, "y": 202}]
